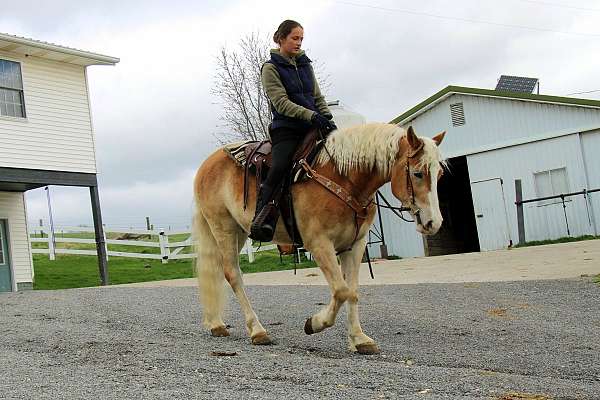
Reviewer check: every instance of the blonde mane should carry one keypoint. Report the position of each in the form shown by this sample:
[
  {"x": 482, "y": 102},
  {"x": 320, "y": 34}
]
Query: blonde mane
[{"x": 370, "y": 146}]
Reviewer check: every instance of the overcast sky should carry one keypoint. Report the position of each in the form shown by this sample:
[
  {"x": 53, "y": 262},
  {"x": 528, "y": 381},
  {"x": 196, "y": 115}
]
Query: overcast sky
[{"x": 154, "y": 117}]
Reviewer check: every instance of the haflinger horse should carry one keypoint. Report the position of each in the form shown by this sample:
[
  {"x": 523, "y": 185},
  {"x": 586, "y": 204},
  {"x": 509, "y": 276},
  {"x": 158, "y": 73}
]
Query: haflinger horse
[{"x": 360, "y": 159}]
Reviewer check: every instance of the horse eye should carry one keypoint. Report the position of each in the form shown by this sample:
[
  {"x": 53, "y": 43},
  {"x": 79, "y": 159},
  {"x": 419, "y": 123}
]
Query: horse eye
[{"x": 418, "y": 175}]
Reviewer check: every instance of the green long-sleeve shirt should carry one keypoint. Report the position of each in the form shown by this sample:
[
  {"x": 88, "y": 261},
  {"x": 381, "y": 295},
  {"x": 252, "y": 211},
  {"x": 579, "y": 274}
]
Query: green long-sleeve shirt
[{"x": 277, "y": 95}]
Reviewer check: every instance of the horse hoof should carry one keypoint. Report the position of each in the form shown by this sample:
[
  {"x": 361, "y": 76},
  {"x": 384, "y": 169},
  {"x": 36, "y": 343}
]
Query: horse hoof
[
  {"x": 367, "y": 348},
  {"x": 308, "y": 329},
  {"x": 261, "y": 339},
  {"x": 219, "y": 331}
]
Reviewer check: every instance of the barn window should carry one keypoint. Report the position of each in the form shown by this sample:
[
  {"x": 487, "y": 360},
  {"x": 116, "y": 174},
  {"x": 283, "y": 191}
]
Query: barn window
[
  {"x": 457, "y": 113},
  {"x": 551, "y": 183},
  {"x": 12, "y": 101}
]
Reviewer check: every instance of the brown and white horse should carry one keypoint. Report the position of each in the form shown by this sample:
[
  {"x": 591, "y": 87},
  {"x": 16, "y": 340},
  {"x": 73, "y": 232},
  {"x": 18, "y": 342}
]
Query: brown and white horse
[{"x": 360, "y": 159}]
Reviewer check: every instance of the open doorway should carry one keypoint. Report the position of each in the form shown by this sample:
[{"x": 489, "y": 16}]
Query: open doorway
[{"x": 458, "y": 233}]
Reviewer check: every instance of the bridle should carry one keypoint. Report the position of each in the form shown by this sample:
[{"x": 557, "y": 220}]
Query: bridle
[{"x": 409, "y": 185}]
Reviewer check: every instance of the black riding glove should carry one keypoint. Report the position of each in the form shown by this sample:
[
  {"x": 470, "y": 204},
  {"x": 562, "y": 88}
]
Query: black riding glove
[{"x": 322, "y": 123}]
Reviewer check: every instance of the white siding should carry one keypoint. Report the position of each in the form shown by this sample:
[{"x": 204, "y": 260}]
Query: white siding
[
  {"x": 401, "y": 237},
  {"x": 57, "y": 133},
  {"x": 590, "y": 143},
  {"x": 493, "y": 123},
  {"x": 12, "y": 207},
  {"x": 521, "y": 162}
]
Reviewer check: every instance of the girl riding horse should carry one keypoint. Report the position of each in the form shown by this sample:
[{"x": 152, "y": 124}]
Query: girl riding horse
[{"x": 297, "y": 106}]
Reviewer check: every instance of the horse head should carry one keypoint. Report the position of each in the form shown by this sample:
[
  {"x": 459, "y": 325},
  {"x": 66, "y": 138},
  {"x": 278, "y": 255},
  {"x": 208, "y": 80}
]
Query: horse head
[{"x": 414, "y": 177}]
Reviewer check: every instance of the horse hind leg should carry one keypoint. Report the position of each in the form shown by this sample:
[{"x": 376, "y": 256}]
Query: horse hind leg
[
  {"x": 210, "y": 277},
  {"x": 230, "y": 239},
  {"x": 233, "y": 274}
]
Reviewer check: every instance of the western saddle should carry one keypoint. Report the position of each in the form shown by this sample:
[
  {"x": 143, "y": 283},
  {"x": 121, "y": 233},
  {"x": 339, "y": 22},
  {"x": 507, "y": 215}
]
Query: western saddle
[{"x": 258, "y": 160}]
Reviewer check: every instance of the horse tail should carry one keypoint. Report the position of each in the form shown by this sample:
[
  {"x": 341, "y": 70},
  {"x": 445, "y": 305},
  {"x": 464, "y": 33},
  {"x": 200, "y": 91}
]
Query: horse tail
[{"x": 209, "y": 271}]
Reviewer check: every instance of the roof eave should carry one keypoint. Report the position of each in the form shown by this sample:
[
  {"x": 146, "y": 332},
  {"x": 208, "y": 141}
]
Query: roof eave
[
  {"x": 86, "y": 57},
  {"x": 432, "y": 101}
]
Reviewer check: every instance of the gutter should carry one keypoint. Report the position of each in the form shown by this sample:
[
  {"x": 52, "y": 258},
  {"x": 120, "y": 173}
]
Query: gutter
[{"x": 59, "y": 49}]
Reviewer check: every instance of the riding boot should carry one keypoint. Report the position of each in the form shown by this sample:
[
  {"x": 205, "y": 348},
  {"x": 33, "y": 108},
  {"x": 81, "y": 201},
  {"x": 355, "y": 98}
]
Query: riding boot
[{"x": 265, "y": 217}]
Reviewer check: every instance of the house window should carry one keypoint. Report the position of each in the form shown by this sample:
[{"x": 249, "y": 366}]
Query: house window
[
  {"x": 12, "y": 101},
  {"x": 551, "y": 183}
]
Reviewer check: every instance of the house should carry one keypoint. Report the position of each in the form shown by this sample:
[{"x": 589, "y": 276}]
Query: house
[
  {"x": 498, "y": 142},
  {"x": 46, "y": 138}
]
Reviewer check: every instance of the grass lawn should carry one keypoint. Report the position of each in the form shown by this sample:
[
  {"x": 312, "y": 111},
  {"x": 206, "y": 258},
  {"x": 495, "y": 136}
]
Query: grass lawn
[
  {"x": 565, "y": 239},
  {"x": 73, "y": 271}
]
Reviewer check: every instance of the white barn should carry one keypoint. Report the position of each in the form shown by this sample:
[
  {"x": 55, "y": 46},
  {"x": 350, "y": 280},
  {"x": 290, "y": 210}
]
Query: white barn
[
  {"x": 549, "y": 144},
  {"x": 46, "y": 138}
]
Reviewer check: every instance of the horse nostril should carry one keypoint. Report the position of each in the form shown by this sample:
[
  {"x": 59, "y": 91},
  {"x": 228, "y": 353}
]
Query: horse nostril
[{"x": 429, "y": 225}]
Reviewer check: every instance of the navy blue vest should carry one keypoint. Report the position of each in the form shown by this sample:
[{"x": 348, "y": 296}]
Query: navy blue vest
[{"x": 298, "y": 83}]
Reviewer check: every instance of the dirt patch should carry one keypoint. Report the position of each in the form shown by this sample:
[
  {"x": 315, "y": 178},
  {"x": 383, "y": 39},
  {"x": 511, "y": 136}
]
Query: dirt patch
[
  {"x": 523, "y": 396},
  {"x": 498, "y": 312}
]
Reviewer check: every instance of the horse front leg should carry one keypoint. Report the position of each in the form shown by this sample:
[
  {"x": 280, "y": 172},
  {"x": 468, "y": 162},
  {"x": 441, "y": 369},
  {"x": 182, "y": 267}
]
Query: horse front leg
[
  {"x": 325, "y": 257},
  {"x": 357, "y": 340}
]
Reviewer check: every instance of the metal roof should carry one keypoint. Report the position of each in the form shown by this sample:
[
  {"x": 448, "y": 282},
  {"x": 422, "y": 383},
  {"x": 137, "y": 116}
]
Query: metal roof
[
  {"x": 450, "y": 90},
  {"x": 51, "y": 51}
]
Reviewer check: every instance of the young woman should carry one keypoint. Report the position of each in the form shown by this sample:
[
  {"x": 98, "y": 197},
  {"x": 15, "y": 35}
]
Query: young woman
[{"x": 297, "y": 106}]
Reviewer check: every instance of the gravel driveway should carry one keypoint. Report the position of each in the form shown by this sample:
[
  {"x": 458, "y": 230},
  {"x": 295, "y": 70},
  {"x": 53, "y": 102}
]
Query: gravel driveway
[{"x": 509, "y": 340}]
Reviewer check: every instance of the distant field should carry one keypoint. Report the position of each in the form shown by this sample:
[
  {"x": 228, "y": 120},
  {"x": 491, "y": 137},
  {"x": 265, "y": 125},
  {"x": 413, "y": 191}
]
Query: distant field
[{"x": 74, "y": 271}]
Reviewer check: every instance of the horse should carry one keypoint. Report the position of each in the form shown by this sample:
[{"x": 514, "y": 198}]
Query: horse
[{"x": 360, "y": 160}]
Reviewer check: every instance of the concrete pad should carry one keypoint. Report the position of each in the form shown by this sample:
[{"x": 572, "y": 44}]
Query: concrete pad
[{"x": 555, "y": 261}]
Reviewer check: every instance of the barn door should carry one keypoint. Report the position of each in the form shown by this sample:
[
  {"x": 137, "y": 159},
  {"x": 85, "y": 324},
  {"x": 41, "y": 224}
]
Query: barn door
[
  {"x": 490, "y": 214},
  {"x": 5, "y": 276}
]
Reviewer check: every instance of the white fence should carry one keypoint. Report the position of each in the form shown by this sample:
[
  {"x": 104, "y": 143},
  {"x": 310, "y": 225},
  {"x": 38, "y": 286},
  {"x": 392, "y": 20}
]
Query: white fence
[{"x": 168, "y": 250}]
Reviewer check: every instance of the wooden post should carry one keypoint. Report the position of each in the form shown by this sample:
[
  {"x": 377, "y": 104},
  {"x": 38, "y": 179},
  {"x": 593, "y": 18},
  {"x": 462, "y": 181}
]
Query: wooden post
[
  {"x": 249, "y": 250},
  {"x": 163, "y": 240},
  {"x": 99, "y": 231},
  {"x": 51, "y": 249},
  {"x": 105, "y": 244},
  {"x": 520, "y": 217},
  {"x": 147, "y": 223}
]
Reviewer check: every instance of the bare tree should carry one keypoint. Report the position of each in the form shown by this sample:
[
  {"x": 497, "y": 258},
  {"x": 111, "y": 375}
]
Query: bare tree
[{"x": 246, "y": 112}]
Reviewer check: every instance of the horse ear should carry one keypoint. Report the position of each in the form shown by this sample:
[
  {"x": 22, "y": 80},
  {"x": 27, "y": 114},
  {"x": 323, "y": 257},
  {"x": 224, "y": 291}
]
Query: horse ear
[
  {"x": 439, "y": 137},
  {"x": 413, "y": 140}
]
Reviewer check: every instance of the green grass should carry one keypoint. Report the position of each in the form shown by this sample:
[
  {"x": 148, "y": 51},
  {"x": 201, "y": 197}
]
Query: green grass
[
  {"x": 597, "y": 279},
  {"x": 74, "y": 271},
  {"x": 565, "y": 239}
]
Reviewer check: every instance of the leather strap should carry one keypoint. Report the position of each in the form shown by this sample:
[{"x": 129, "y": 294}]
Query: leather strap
[
  {"x": 337, "y": 190},
  {"x": 247, "y": 171}
]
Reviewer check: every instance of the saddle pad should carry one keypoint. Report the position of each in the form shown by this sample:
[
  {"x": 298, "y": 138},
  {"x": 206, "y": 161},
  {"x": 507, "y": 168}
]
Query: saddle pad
[{"x": 236, "y": 151}]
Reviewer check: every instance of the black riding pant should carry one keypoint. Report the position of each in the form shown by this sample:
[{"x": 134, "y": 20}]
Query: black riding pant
[{"x": 285, "y": 142}]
